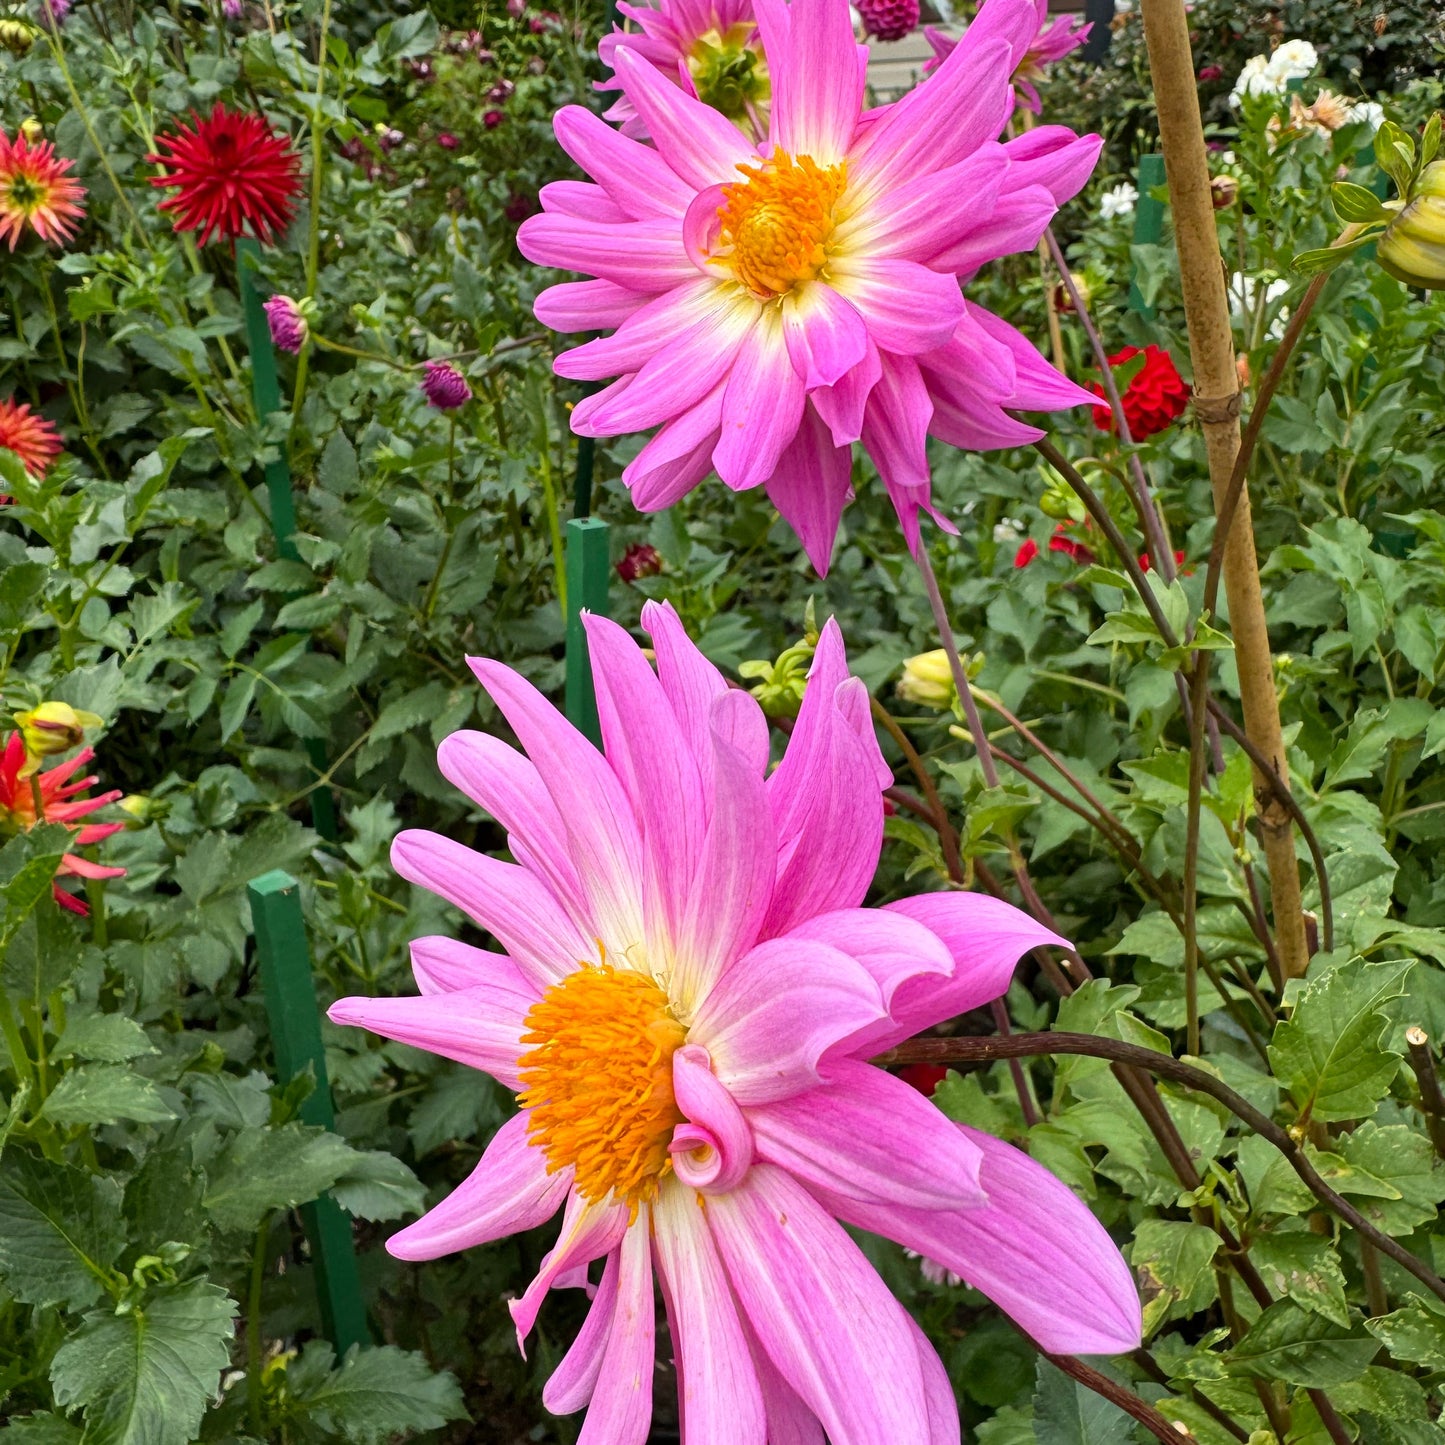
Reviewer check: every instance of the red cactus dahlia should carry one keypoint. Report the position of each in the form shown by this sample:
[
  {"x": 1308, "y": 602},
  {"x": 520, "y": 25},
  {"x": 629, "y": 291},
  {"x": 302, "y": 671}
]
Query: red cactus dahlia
[
  {"x": 231, "y": 174},
  {"x": 33, "y": 439}
]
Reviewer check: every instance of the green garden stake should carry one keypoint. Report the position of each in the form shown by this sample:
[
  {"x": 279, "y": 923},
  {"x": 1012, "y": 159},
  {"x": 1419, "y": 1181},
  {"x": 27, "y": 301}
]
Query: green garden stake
[
  {"x": 588, "y": 573},
  {"x": 285, "y": 961},
  {"x": 1148, "y": 223},
  {"x": 266, "y": 392}
]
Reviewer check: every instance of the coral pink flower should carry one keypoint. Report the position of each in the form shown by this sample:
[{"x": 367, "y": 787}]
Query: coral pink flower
[
  {"x": 688, "y": 994},
  {"x": 774, "y": 305},
  {"x": 1049, "y": 43},
  {"x": 36, "y": 192},
  {"x": 30, "y": 436},
  {"x": 58, "y": 804},
  {"x": 710, "y": 48},
  {"x": 231, "y": 174}
]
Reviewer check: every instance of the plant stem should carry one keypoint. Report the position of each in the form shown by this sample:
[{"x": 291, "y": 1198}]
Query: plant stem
[
  {"x": 254, "y": 1343},
  {"x": 1432, "y": 1101},
  {"x": 318, "y": 160},
  {"x": 1211, "y": 344},
  {"x": 1126, "y": 1400}
]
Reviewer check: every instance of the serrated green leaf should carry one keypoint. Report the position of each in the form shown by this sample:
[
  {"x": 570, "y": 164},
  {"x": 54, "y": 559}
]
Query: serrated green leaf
[
  {"x": 107, "y": 1038},
  {"x": 43, "y": 1429},
  {"x": 1066, "y": 1413},
  {"x": 1304, "y": 1267},
  {"x": 1301, "y": 1348},
  {"x": 1172, "y": 1262},
  {"x": 104, "y": 1094},
  {"x": 144, "y": 1377},
  {"x": 1415, "y": 1333},
  {"x": 60, "y": 1231},
  {"x": 1404, "y": 1164},
  {"x": 263, "y": 1169},
  {"x": 379, "y": 1186}
]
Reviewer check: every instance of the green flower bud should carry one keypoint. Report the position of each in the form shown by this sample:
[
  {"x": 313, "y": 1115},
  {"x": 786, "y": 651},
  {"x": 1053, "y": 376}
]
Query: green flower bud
[
  {"x": 928, "y": 680},
  {"x": 1412, "y": 248}
]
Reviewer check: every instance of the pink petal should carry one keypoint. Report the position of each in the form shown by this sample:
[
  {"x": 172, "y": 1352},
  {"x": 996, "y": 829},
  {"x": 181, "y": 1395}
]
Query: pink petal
[
  {"x": 481, "y": 1026},
  {"x": 696, "y": 141},
  {"x": 446, "y": 965},
  {"x": 986, "y": 937},
  {"x": 586, "y": 305},
  {"x": 1035, "y": 1250},
  {"x": 908, "y": 308},
  {"x": 964, "y": 418},
  {"x": 762, "y": 407},
  {"x": 677, "y": 458},
  {"x": 508, "y": 1192},
  {"x": 583, "y": 200},
  {"x": 777, "y": 1011},
  {"x": 1037, "y": 385},
  {"x": 573, "y": 1381},
  {"x": 790, "y": 1421},
  {"x": 842, "y": 406},
  {"x": 588, "y": 1232},
  {"x": 714, "y": 1149},
  {"x": 862, "y": 1135},
  {"x": 621, "y": 1409},
  {"x": 641, "y": 255},
  {"x": 836, "y": 1335},
  {"x": 1053, "y": 156},
  {"x": 895, "y": 433},
  {"x": 817, "y": 82},
  {"x": 720, "y": 1401},
  {"x": 941, "y": 1402},
  {"x": 825, "y": 335},
  {"x": 1018, "y": 220},
  {"x": 810, "y": 487},
  {"x": 634, "y": 175},
  {"x": 699, "y": 304},
  {"x": 508, "y": 902}
]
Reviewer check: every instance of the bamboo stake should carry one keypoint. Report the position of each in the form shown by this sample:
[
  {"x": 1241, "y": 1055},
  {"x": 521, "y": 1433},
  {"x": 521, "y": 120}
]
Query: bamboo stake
[{"x": 1216, "y": 386}]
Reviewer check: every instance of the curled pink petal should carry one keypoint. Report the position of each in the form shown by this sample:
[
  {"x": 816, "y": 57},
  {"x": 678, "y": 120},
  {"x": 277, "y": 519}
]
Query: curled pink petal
[{"x": 714, "y": 1149}]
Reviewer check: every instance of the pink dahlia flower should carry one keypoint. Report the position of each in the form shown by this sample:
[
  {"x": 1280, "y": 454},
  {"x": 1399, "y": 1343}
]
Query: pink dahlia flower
[
  {"x": 287, "y": 322},
  {"x": 775, "y": 304},
  {"x": 1050, "y": 43},
  {"x": 686, "y": 999},
  {"x": 888, "y": 19},
  {"x": 710, "y": 48},
  {"x": 444, "y": 386}
]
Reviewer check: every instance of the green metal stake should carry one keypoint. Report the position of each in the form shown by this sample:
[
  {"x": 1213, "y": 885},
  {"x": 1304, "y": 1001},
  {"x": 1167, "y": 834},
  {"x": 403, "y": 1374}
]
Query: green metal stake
[
  {"x": 285, "y": 961},
  {"x": 266, "y": 392},
  {"x": 588, "y": 569},
  {"x": 1148, "y": 223}
]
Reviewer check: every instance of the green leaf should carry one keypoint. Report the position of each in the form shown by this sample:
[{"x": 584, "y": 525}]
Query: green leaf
[
  {"x": 373, "y": 1395},
  {"x": 1329, "y": 1053},
  {"x": 28, "y": 865},
  {"x": 379, "y": 1186},
  {"x": 1172, "y": 1264},
  {"x": 1066, "y": 1413},
  {"x": 1355, "y": 203},
  {"x": 237, "y": 703},
  {"x": 104, "y": 1094},
  {"x": 1301, "y": 1348},
  {"x": 1304, "y": 1267},
  {"x": 109, "y": 1038},
  {"x": 1415, "y": 1333},
  {"x": 1401, "y": 1160},
  {"x": 60, "y": 1231},
  {"x": 44, "y": 1429},
  {"x": 1326, "y": 258},
  {"x": 144, "y": 1377},
  {"x": 338, "y": 471},
  {"x": 263, "y": 1169}
]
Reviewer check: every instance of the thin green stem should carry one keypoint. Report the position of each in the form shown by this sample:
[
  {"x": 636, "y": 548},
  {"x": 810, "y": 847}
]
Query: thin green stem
[
  {"x": 313, "y": 237},
  {"x": 255, "y": 1403}
]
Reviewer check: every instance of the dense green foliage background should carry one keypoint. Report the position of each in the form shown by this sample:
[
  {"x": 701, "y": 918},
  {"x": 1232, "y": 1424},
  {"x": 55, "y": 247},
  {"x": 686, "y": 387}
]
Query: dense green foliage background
[{"x": 151, "y": 1166}]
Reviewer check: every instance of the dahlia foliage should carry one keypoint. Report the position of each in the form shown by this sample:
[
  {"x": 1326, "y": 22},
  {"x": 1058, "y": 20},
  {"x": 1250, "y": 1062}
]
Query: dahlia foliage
[
  {"x": 776, "y": 300},
  {"x": 58, "y": 803},
  {"x": 29, "y": 435},
  {"x": 231, "y": 173},
  {"x": 686, "y": 1002},
  {"x": 35, "y": 191}
]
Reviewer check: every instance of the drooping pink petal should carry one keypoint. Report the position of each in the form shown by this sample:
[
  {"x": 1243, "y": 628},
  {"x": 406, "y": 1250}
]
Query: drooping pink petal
[
  {"x": 938, "y": 1396},
  {"x": 810, "y": 487},
  {"x": 524, "y": 915},
  {"x": 801, "y": 1281},
  {"x": 895, "y": 432},
  {"x": 965, "y": 417},
  {"x": 1035, "y": 1250},
  {"x": 678, "y": 457},
  {"x": 762, "y": 406},
  {"x": 720, "y": 1400},
  {"x": 586, "y": 305},
  {"x": 571, "y": 1384},
  {"x": 479, "y": 1026},
  {"x": 714, "y": 1149},
  {"x": 634, "y": 175},
  {"x": 1054, "y": 157},
  {"x": 909, "y": 308},
  {"x": 447, "y": 965},
  {"x": 621, "y": 1409},
  {"x": 825, "y": 335},
  {"x": 508, "y": 1192},
  {"x": 790, "y": 1421},
  {"x": 842, "y": 405},
  {"x": 872, "y": 1137},
  {"x": 777, "y": 1011},
  {"x": 1037, "y": 385},
  {"x": 588, "y": 1232}
]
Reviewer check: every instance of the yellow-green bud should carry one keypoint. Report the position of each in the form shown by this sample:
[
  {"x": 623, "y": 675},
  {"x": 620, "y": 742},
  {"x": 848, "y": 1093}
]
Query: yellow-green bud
[
  {"x": 53, "y": 727},
  {"x": 32, "y": 130},
  {"x": 1412, "y": 248},
  {"x": 17, "y": 36},
  {"x": 928, "y": 680},
  {"x": 137, "y": 805}
]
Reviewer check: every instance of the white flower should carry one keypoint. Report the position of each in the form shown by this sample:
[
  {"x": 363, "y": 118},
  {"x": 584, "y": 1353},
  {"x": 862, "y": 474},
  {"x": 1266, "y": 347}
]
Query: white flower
[
  {"x": 1294, "y": 60},
  {"x": 1006, "y": 531},
  {"x": 1370, "y": 112},
  {"x": 1242, "y": 294},
  {"x": 1118, "y": 201},
  {"x": 1255, "y": 79}
]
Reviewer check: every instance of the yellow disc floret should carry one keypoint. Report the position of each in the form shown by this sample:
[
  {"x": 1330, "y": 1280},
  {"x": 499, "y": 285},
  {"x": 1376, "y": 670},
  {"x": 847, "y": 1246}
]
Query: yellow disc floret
[
  {"x": 598, "y": 1081},
  {"x": 776, "y": 225}
]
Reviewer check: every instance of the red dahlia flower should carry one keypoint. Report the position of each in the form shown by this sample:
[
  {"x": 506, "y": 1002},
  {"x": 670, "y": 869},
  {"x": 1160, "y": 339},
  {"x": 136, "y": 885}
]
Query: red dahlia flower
[
  {"x": 35, "y": 191},
  {"x": 231, "y": 174},
  {"x": 1153, "y": 400},
  {"x": 33, "y": 439}
]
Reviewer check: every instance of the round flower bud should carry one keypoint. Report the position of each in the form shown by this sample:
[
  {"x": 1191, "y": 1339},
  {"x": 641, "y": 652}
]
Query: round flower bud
[
  {"x": 288, "y": 322},
  {"x": 17, "y": 36},
  {"x": 445, "y": 387},
  {"x": 1412, "y": 248},
  {"x": 641, "y": 559},
  {"x": 53, "y": 727},
  {"x": 928, "y": 680}
]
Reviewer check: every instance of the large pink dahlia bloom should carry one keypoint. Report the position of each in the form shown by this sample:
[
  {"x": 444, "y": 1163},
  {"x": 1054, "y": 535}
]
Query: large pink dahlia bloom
[
  {"x": 686, "y": 1002},
  {"x": 774, "y": 304}
]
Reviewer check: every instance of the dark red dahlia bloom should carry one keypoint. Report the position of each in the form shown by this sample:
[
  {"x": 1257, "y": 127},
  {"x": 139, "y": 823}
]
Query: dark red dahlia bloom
[
  {"x": 1062, "y": 542},
  {"x": 231, "y": 174},
  {"x": 641, "y": 559},
  {"x": 1026, "y": 553},
  {"x": 1153, "y": 400},
  {"x": 924, "y": 1077}
]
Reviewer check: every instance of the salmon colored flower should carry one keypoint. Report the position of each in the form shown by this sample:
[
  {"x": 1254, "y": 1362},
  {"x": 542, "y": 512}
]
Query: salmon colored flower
[
  {"x": 1155, "y": 397},
  {"x": 35, "y": 191},
  {"x": 685, "y": 999},
  {"x": 30, "y": 436},
  {"x": 58, "y": 804},
  {"x": 775, "y": 304},
  {"x": 231, "y": 173},
  {"x": 1049, "y": 43}
]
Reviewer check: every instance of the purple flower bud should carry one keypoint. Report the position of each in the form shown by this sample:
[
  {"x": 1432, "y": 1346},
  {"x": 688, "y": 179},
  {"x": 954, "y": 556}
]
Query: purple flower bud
[
  {"x": 287, "y": 322},
  {"x": 445, "y": 387},
  {"x": 492, "y": 119},
  {"x": 447, "y": 141},
  {"x": 233, "y": 9}
]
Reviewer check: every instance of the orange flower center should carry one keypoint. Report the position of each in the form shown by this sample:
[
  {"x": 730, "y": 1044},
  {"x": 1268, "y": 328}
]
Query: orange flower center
[
  {"x": 777, "y": 223},
  {"x": 598, "y": 1081}
]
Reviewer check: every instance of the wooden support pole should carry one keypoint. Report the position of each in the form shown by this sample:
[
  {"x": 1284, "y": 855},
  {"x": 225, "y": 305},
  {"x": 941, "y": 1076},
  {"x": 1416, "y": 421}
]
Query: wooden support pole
[
  {"x": 1217, "y": 404},
  {"x": 285, "y": 964}
]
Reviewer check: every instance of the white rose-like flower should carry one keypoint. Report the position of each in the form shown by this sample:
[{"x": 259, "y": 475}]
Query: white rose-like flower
[
  {"x": 1293, "y": 60},
  {"x": 1370, "y": 112},
  {"x": 1256, "y": 79},
  {"x": 1118, "y": 201},
  {"x": 1242, "y": 296}
]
